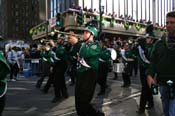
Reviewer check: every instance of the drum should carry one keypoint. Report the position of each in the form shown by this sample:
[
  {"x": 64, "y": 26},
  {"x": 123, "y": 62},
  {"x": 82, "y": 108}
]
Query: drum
[
  {"x": 113, "y": 53},
  {"x": 118, "y": 67}
]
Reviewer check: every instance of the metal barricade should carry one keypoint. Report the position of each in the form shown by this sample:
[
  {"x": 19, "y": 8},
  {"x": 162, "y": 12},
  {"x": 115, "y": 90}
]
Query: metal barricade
[{"x": 31, "y": 67}]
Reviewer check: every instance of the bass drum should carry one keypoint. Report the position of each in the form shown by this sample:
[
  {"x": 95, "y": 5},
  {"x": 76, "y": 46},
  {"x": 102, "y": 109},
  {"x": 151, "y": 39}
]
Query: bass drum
[
  {"x": 3, "y": 89},
  {"x": 113, "y": 53}
]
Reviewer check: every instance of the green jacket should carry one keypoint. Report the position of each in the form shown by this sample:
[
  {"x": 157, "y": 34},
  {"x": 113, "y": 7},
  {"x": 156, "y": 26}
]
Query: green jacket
[
  {"x": 4, "y": 71},
  {"x": 90, "y": 52},
  {"x": 105, "y": 55},
  {"x": 47, "y": 56},
  {"x": 145, "y": 62},
  {"x": 162, "y": 62},
  {"x": 61, "y": 52},
  {"x": 128, "y": 54}
]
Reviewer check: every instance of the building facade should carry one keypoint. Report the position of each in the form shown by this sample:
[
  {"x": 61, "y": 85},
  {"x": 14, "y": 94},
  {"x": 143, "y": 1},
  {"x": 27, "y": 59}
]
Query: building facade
[
  {"x": 147, "y": 10},
  {"x": 17, "y": 17}
]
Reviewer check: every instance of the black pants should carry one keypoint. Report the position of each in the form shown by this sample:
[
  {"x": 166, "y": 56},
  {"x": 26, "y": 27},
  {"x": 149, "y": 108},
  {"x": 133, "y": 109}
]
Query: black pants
[
  {"x": 59, "y": 84},
  {"x": 45, "y": 73},
  {"x": 72, "y": 73},
  {"x": 2, "y": 104},
  {"x": 14, "y": 70},
  {"x": 84, "y": 91},
  {"x": 146, "y": 94},
  {"x": 102, "y": 75},
  {"x": 49, "y": 82},
  {"x": 126, "y": 74}
]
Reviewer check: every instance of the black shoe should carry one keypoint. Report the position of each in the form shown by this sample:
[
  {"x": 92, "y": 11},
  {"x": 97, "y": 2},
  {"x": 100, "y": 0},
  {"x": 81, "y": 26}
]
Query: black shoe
[
  {"x": 149, "y": 106},
  {"x": 71, "y": 84},
  {"x": 106, "y": 86},
  {"x": 56, "y": 99},
  {"x": 99, "y": 113},
  {"x": 115, "y": 78},
  {"x": 140, "y": 111},
  {"x": 38, "y": 86},
  {"x": 44, "y": 91},
  {"x": 65, "y": 95},
  {"x": 125, "y": 85},
  {"x": 101, "y": 93}
]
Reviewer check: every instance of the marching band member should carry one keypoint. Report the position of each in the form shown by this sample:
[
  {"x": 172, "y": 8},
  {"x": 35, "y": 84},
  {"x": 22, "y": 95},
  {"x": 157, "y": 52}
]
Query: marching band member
[
  {"x": 59, "y": 70},
  {"x": 144, "y": 50},
  {"x": 87, "y": 74},
  {"x": 75, "y": 47},
  {"x": 117, "y": 63},
  {"x": 4, "y": 71},
  {"x": 52, "y": 59},
  {"x": 127, "y": 58},
  {"x": 104, "y": 61},
  {"x": 46, "y": 61}
]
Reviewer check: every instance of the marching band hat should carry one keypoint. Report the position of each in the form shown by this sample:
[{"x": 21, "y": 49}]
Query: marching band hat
[
  {"x": 149, "y": 32},
  {"x": 93, "y": 30},
  {"x": 60, "y": 36}
]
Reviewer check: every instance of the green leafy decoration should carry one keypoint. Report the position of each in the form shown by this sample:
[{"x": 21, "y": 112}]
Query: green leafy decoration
[
  {"x": 103, "y": 21},
  {"x": 112, "y": 23},
  {"x": 126, "y": 25},
  {"x": 97, "y": 17},
  {"x": 31, "y": 31},
  {"x": 137, "y": 26},
  {"x": 43, "y": 28}
]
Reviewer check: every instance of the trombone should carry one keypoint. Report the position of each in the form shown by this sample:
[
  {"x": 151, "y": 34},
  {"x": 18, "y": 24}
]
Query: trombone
[{"x": 66, "y": 33}]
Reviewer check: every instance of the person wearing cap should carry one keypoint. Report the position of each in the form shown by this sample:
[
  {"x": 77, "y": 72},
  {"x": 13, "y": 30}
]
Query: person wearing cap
[
  {"x": 104, "y": 61},
  {"x": 59, "y": 70},
  {"x": 162, "y": 64},
  {"x": 143, "y": 52},
  {"x": 4, "y": 71},
  {"x": 87, "y": 74},
  {"x": 47, "y": 60},
  {"x": 75, "y": 47},
  {"x": 51, "y": 59},
  {"x": 128, "y": 56}
]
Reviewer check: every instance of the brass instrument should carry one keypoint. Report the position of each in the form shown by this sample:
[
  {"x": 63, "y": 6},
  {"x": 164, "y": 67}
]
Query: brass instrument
[{"x": 68, "y": 33}]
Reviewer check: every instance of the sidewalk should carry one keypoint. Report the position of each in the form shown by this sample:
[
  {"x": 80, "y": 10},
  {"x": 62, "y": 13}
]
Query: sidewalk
[{"x": 23, "y": 99}]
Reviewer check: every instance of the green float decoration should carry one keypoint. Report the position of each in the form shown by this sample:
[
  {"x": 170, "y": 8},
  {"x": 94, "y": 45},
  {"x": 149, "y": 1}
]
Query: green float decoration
[
  {"x": 137, "y": 26},
  {"x": 112, "y": 22},
  {"x": 31, "y": 31},
  {"x": 103, "y": 21},
  {"x": 126, "y": 25}
]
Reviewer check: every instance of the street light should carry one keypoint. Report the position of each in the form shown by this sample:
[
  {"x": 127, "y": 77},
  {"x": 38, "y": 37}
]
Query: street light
[{"x": 102, "y": 9}]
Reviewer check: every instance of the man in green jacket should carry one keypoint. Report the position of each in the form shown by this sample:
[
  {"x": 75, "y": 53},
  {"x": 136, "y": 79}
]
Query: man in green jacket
[
  {"x": 4, "y": 71},
  {"x": 87, "y": 74}
]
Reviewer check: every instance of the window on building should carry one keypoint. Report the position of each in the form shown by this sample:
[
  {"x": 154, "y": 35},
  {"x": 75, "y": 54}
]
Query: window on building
[
  {"x": 17, "y": 28},
  {"x": 16, "y": 6},
  {"x": 16, "y": 13}
]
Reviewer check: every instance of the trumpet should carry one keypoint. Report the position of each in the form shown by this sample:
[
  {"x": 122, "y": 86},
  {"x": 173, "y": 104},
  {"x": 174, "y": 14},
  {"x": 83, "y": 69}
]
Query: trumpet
[{"x": 67, "y": 33}]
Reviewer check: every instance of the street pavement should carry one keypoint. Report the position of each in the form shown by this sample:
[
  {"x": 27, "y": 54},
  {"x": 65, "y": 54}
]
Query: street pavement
[{"x": 24, "y": 99}]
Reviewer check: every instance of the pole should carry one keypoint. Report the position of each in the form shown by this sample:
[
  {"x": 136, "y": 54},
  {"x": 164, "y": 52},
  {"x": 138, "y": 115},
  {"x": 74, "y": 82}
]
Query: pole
[
  {"x": 46, "y": 24},
  {"x": 100, "y": 9}
]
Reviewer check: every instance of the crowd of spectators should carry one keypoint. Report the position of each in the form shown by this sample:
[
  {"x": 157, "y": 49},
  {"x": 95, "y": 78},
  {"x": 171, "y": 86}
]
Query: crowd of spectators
[{"x": 115, "y": 15}]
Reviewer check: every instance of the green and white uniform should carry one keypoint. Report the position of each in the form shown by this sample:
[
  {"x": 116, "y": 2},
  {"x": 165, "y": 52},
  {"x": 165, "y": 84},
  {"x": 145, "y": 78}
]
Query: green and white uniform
[{"x": 89, "y": 55}]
